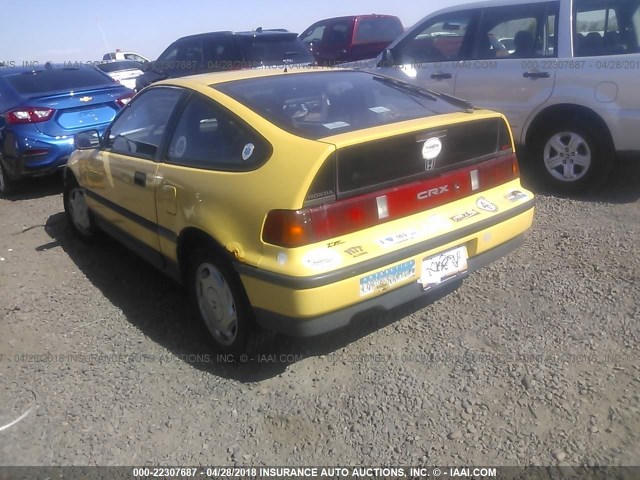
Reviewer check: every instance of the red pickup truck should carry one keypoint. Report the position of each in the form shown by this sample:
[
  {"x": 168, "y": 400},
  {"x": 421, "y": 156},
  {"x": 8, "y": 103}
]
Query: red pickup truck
[{"x": 348, "y": 39}]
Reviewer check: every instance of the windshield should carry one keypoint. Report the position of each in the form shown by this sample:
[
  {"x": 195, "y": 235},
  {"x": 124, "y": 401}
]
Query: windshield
[
  {"x": 274, "y": 50},
  {"x": 42, "y": 81},
  {"x": 321, "y": 104}
]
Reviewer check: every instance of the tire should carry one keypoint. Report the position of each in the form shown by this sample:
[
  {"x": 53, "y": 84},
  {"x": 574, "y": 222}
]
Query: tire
[
  {"x": 220, "y": 304},
  {"x": 572, "y": 157},
  {"x": 77, "y": 211},
  {"x": 6, "y": 184}
]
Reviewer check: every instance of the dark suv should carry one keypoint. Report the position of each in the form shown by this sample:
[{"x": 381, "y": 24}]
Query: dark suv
[
  {"x": 348, "y": 39},
  {"x": 218, "y": 51}
]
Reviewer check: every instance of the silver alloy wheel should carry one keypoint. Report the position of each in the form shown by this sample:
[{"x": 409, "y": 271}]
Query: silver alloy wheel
[
  {"x": 216, "y": 303},
  {"x": 567, "y": 156},
  {"x": 79, "y": 211}
]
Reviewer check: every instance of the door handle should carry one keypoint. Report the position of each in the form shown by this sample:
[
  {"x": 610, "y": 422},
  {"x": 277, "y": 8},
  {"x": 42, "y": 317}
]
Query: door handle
[
  {"x": 440, "y": 76},
  {"x": 536, "y": 74},
  {"x": 140, "y": 178}
]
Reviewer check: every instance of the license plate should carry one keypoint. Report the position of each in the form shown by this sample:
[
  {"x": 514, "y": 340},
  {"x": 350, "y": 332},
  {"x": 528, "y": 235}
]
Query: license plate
[{"x": 443, "y": 266}]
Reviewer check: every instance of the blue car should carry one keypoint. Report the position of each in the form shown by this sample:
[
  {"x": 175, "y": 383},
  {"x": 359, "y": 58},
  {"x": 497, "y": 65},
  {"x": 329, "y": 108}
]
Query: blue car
[{"x": 42, "y": 109}]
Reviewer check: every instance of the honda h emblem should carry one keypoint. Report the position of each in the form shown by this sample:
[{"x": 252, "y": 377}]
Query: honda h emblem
[{"x": 430, "y": 151}]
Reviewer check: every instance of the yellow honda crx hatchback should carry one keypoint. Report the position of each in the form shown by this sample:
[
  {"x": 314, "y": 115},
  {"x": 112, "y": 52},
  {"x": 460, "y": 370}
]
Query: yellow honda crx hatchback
[{"x": 291, "y": 201}]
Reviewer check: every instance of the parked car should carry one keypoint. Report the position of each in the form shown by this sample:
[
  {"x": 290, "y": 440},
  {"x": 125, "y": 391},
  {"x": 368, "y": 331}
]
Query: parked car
[
  {"x": 348, "y": 39},
  {"x": 42, "y": 109},
  {"x": 292, "y": 201},
  {"x": 219, "y": 51},
  {"x": 120, "y": 55},
  {"x": 122, "y": 71},
  {"x": 569, "y": 89}
]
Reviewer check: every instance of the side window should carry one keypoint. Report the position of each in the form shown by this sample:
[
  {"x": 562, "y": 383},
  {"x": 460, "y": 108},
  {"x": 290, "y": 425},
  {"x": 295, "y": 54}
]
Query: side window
[
  {"x": 606, "y": 27},
  {"x": 526, "y": 31},
  {"x": 374, "y": 30},
  {"x": 440, "y": 39},
  {"x": 170, "y": 54},
  {"x": 207, "y": 137},
  {"x": 338, "y": 35},
  {"x": 221, "y": 53},
  {"x": 313, "y": 36},
  {"x": 134, "y": 57},
  {"x": 191, "y": 52},
  {"x": 138, "y": 131}
]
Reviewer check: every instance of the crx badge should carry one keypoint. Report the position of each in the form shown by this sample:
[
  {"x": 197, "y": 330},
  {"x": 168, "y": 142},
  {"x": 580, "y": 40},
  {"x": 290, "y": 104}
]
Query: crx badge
[
  {"x": 430, "y": 151},
  {"x": 85, "y": 99},
  {"x": 486, "y": 205}
]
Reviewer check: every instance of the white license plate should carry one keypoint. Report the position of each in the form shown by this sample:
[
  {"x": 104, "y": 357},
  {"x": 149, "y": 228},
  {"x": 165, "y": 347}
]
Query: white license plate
[{"x": 443, "y": 266}]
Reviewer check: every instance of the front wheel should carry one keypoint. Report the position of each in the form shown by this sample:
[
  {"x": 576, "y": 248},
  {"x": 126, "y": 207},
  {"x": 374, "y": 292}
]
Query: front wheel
[
  {"x": 221, "y": 304},
  {"x": 572, "y": 157},
  {"x": 77, "y": 211}
]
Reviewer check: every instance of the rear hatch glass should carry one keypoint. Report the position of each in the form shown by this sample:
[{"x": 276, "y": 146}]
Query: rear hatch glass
[
  {"x": 274, "y": 49},
  {"x": 56, "y": 80},
  {"x": 322, "y": 104},
  {"x": 428, "y": 153}
]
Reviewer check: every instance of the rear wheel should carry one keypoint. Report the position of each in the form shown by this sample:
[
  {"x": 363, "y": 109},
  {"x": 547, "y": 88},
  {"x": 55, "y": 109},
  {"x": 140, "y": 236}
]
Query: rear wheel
[
  {"x": 77, "y": 211},
  {"x": 572, "y": 157},
  {"x": 6, "y": 184},
  {"x": 221, "y": 304}
]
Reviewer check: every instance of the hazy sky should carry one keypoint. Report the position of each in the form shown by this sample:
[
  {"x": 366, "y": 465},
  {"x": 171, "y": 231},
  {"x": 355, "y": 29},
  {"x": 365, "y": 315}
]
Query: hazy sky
[{"x": 83, "y": 30}]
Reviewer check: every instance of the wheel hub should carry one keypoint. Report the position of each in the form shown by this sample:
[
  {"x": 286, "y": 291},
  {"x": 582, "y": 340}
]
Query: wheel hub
[
  {"x": 217, "y": 304},
  {"x": 79, "y": 210},
  {"x": 567, "y": 156}
]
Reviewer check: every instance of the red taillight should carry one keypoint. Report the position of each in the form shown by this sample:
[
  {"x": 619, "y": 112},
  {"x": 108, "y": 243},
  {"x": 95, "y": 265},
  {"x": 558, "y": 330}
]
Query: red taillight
[
  {"x": 122, "y": 101},
  {"x": 29, "y": 115},
  {"x": 295, "y": 228}
]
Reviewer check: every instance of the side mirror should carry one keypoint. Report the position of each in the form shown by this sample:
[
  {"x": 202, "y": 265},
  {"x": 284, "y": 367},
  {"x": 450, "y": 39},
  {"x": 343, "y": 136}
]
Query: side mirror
[
  {"x": 88, "y": 140},
  {"x": 387, "y": 59}
]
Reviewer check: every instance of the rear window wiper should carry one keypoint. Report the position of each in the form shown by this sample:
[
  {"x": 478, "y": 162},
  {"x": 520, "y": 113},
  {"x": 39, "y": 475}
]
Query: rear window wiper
[
  {"x": 467, "y": 106},
  {"x": 392, "y": 82},
  {"x": 426, "y": 93}
]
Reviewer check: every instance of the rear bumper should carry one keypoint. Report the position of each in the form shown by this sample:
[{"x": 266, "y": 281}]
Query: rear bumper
[
  {"x": 392, "y": 299},
  {"x": 35, "y": 155},
  {"x": 311, "y": 305}
]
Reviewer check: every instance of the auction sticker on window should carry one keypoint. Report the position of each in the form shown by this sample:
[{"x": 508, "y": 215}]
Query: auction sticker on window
[
  {"x": 383, "y": 280},
  {"x": 443, "y": 266}
]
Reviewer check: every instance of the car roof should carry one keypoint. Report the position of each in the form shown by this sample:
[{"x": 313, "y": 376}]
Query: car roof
[
  {"x": 254, "y": 33},
  {"x": 484, "y": 4},
  {"x": 358, "y": 17}
]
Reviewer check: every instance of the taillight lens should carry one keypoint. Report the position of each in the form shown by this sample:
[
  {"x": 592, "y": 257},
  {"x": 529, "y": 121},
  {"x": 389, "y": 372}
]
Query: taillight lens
[
  {"x": 122, "y": 101},
  {"x": 295, "y": 228},
  {"x": 29, "y": 115}
]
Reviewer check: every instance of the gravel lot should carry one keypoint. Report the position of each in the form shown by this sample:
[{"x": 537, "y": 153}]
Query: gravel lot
[{"x": 534, "y": 360}]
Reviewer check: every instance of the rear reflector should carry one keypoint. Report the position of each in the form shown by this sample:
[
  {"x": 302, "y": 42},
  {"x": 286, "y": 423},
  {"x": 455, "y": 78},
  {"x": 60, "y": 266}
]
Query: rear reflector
[
  {"x": 295, "y": 228},
  {"x": 29, "y": 115}
]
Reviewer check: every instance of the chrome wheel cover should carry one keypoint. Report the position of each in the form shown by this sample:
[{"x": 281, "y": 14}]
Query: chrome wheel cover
[
  {"x": 216, "y": 303},
  {"x": 79, "y": 211},
  {"x": 567, "y": 156}
]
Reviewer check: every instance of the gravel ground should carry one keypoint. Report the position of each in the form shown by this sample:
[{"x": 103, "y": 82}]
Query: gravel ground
[{"x": 534, "y": 360}]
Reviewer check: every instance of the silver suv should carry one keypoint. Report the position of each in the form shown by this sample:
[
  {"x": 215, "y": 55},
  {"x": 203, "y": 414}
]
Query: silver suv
[{"x": 568, "y": 80}]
